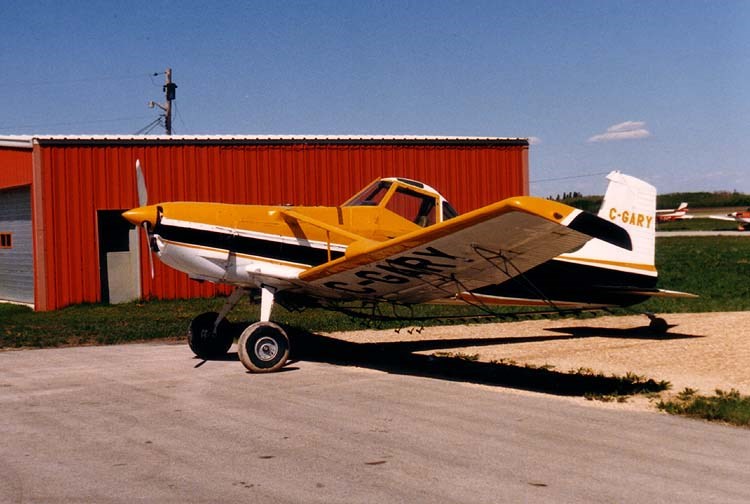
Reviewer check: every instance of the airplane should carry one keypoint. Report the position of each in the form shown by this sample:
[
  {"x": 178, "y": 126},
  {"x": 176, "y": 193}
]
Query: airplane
[
  {"x": 673, "y": 214},
  {"x": 400, "y": 242},
  {"x": 742, "y": 219}
]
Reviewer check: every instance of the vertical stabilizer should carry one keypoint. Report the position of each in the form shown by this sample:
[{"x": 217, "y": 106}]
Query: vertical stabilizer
[{"x": 630, "y": 203}]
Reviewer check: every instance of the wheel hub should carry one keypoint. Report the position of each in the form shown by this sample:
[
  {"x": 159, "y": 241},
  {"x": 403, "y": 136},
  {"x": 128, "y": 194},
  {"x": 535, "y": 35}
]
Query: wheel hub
[{"x": 266, "y": 349}]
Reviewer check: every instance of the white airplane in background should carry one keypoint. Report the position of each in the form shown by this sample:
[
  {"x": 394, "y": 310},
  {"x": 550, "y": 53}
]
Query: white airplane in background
[
  {"x": 741, "y": 218},
  {"x": 399, "y": 242},
  {"x": 673, "y": 214}
]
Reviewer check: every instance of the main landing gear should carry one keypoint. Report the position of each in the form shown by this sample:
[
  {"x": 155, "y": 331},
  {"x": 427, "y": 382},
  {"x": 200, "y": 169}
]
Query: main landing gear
[{"x": 263, "y": 347}]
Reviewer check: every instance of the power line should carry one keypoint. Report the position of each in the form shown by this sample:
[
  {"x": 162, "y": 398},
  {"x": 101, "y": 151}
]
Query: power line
[
  {"x": 568, "y": 178},
  {"x": 149, "y": 127},
  {"x": 178, "y": 115},
  {"x": 74, "y": 81},
  {"x": 73, "y": 123}
]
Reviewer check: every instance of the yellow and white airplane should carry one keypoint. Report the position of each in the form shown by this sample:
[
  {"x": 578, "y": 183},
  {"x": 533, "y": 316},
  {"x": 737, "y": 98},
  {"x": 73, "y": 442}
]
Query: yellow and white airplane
[{"x": 399, "y": 241}]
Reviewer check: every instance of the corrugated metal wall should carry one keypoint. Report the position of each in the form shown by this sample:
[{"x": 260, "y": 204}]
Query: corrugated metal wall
[
  {"x": 15, "y": 167},
  {"x": 77, "y": 179}
]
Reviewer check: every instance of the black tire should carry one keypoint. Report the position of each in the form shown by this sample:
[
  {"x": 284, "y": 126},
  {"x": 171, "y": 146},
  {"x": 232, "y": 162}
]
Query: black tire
[
  {"x": 204, "y": 341},
  {"x": 263, "y": 347}
]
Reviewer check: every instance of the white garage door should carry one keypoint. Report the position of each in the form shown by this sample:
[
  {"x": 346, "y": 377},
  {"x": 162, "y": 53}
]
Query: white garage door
[{"x": 16, "y": 256}]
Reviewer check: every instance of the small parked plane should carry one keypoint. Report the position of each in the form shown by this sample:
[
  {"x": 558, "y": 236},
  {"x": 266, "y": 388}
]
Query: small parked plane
[
  {"x": 742, "y": 219},
  {"x": 673, "y": 214},
  {"x": 399, "y": 241}
]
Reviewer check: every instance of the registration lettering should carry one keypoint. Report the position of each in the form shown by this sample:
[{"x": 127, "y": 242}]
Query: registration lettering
[
  {"x": 631, "y": 218},
  {"x": 399, "y": 270}
]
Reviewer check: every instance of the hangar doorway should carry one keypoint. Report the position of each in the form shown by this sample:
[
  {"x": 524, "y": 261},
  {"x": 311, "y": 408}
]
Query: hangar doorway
[
  {"x": 119, "y": 261},
  {"x": 16, "y": 246}
]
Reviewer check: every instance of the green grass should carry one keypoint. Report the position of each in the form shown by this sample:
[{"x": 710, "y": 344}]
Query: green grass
[
  {"x": 717, "y": 269},
  {"x": 697, "y": 224},
  {"x": 730, "y": 407}
]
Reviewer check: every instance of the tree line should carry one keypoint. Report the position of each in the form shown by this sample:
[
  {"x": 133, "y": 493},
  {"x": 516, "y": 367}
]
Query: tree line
[{"x": 671, "y": 200}]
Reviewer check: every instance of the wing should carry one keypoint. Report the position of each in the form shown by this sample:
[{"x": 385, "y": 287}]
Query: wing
[
  {"x": 483, "y": 247},
  {"x": 723, "y": 217}
]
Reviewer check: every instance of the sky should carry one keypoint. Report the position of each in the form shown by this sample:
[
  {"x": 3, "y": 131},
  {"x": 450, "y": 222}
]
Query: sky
[{"x": 657, "y": 89}]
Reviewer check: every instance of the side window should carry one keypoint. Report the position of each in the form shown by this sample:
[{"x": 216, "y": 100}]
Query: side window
[
  {"x": 6, "y": 240},
  {"x": 448, "y": 211}
]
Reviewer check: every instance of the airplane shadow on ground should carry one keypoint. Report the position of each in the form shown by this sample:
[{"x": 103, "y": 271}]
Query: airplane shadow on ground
[
  {"x": 631, "y": 333},
  {"x": 399, "y": 358}
]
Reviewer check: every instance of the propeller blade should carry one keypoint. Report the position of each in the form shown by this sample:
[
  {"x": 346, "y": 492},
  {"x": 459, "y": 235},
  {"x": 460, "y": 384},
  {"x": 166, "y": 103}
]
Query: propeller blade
[
  {"x": 150, "y": 252},
  {"x": 141, "y": 184}
]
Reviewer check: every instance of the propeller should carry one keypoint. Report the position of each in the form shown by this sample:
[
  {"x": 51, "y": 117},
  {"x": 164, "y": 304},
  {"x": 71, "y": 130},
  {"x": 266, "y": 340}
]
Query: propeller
[
  {"x": 142, "y": 202},
  {"x": 141, "y": 184}
]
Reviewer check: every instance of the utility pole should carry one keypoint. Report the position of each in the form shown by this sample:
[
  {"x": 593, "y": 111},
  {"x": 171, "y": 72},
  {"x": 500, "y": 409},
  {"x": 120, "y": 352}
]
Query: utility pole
[{"x": 169, "y": 89}]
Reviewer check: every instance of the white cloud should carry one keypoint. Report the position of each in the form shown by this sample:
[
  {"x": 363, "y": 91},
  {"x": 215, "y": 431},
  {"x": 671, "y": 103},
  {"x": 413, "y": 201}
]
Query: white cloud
[
  {"x": 626, "y": 126},
  {"x": 627, "y": 130},
  {"x": 534, "y": 140}
]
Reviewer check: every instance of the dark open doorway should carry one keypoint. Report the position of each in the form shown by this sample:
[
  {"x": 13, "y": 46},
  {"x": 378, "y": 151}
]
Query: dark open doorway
[{"x": 118, "y": 258}]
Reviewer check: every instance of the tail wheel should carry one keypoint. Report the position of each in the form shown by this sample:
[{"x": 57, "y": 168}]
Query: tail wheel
[
  {"x": 206, "y": 342},
  {"x": 658, "y": 325},
  {"x": 263, "y": 347}
]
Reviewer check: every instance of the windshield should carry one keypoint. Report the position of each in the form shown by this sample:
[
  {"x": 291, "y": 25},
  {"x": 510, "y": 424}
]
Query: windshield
[{"x": 371, "y": 195}]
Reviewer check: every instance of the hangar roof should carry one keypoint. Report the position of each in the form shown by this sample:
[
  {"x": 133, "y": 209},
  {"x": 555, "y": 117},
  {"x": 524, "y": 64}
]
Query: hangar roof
[{"x": 27, "y": 141}]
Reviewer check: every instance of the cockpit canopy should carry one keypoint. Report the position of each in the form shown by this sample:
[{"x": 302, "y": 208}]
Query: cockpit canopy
[{"x": 412, "y": 200}]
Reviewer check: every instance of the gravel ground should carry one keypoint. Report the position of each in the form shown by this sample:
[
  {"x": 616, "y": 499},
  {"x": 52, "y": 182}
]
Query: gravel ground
[{"x": 703, "y": 351}]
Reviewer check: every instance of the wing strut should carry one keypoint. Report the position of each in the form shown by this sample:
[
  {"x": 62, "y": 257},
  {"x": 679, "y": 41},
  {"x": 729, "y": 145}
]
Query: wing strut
[
  {"x": 230, "y": 303},
  {"x": 507, "y": 264}
]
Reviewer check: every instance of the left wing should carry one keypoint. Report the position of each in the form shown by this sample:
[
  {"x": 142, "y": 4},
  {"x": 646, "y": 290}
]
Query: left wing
[
  {"x": 483, "y": 247},
  {"x": 734, "y": 216}
]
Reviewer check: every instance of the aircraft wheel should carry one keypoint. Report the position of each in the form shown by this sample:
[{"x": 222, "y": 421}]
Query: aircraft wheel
[
  {"x": 263, "y": 347},
  {"x": 204, "y": 341}
]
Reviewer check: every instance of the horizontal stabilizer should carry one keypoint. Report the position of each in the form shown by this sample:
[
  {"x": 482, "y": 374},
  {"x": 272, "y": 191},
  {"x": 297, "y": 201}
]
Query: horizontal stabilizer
[{"x": 640, "y": 291}]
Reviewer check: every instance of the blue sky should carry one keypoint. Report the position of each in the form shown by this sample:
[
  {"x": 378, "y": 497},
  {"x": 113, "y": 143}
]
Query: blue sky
[{"x": 660, "y": 90}]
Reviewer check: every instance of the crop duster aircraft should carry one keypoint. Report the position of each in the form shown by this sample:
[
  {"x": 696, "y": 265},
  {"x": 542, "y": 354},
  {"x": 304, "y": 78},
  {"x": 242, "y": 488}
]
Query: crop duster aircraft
[{"x": 399, "y": 241}]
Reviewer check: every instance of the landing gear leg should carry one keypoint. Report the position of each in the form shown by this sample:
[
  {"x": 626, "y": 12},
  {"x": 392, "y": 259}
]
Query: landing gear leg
[
  {"x": 266, "y": 302},
  {"x": 209, "y": 334}
]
